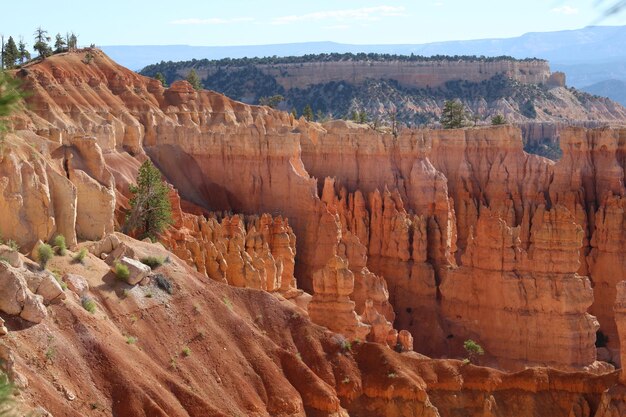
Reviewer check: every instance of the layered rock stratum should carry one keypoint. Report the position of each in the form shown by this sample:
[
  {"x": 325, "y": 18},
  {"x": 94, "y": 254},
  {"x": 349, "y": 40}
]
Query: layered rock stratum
[
  {"x": 387, "y": 90},
  {"x": 391, "y": 243},
  {"x": 414, "y": 73}
]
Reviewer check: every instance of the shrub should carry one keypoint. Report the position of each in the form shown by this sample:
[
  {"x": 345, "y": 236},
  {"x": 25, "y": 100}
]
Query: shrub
[
  {"x": 153, "y": 261},
  {"x": 57, "y": 277},
  {"x": 80, "y": 256},
  {"x": 121, "y": 271},
  {"x": 473, "y": 350},
  {"x": 44, "y": 253},
  {"x": 50, "y": 355},
  {"x": 6, "y": 395},
  {"x": 89, "y": 57},
  {"x": 346, "y": 345},
  {"x": 186, "y": 351},
  {"x": 89, "y": 304},
  {"x": 497, "y": 120},
  {"x": 12, "y": 245},
  {"x": 59, "y": 244},
  {"x": 228, "y": 303},
  {"x": 163, "y": 283},
  {"x": 131, "y": 340},
  {"x": 528, "y": 109}
]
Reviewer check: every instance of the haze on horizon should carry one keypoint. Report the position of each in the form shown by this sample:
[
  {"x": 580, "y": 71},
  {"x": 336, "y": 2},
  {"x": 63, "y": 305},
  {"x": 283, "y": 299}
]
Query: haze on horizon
[{"x": 248, "y": 22}]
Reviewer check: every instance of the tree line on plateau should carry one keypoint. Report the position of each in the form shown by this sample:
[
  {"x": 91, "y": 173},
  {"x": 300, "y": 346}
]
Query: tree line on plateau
[{"x": 17, "y": 53}]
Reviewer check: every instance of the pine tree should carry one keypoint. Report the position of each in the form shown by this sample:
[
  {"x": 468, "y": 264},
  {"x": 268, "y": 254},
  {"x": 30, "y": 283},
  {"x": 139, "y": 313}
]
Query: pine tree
[
  {"x": 193, "y": 79},
  {"x": 41, "y": 43},
  {"x": 454, "y": 115},
  {"x": 161, "y": 79},
  {"x": 59, "y": 44},
  {"x": 150, "y": 208},
  {"x": 10, "y": 96},
  {"x": 72, "y": 43},
  {"x": 24, "y": 55},
  {"x": 393, "y": 119},
  {"x": 11, "y": 53},
  {"x": 308, "y": 113},
  {"x": 498, "y": 119},
  {"x": 272, "y": 101},
  {"x": 294, "y": 112}
]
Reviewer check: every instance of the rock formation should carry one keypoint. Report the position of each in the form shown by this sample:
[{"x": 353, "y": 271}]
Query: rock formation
[
  {"x": 402, "y": 213},
  {"x": 331, "y": 305},
  {"x": 26, "y": 293},
  {"x": 589, "y": 181},
  {"x": 253, "y": 252},
  {"x": 613, "y": 402},
  {"x": 620, "y": 318},
  {"x": 524, "y": 306},
  {"x": 413, "y": 74},
  {"x": 424, "y": 238}
]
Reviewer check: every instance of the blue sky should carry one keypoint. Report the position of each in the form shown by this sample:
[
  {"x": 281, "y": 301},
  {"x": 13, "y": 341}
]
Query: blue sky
[{"x": 252, "y": 22}]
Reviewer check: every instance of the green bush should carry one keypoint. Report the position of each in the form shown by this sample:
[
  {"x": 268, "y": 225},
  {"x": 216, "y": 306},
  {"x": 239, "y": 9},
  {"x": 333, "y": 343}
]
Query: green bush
[
  {"x": 153, "y": 261},
  {"x": 497, "y": 120},
  {"x": 89, "y": 304},
  {"x": 80, "y": 256},
  {"x": 186, "y": 351},
  {"x": 346, "y": 345},
  {"x": 473, "y": 350},
  {"x": 228, "y": 303},
  {"x": 6, "y": 396},
  {"x": 59, "y": 244},
  {"x": 44, "y": 253},
  {"x": 57, "y": 277},
  {"x": 121, "y": 271},
  {"x": 12, "y": 245}
]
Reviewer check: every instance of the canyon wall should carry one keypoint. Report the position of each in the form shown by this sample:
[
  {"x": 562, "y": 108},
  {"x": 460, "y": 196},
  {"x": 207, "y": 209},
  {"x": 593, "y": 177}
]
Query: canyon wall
[
  {"x": 432, "y": 229},
  {"x": 415, "y": 74}
]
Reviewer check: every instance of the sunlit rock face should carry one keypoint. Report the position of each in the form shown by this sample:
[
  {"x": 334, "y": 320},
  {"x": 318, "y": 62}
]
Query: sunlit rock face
[{"x": 450, "y": 234}]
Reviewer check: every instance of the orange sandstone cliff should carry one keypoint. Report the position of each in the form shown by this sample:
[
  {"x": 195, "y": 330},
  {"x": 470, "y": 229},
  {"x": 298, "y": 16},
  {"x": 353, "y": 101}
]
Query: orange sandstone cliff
[{"x": 417, "y": 241}]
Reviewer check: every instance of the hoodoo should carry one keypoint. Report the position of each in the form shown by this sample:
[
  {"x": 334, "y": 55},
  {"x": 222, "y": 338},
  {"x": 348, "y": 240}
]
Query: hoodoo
[{"x": 309, "y": 268}]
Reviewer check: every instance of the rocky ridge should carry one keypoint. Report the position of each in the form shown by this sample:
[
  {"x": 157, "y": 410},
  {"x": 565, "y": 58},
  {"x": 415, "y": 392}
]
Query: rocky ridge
[
  {"x": 418, "y": 74},
  {"x": 394, "y": 91}
]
